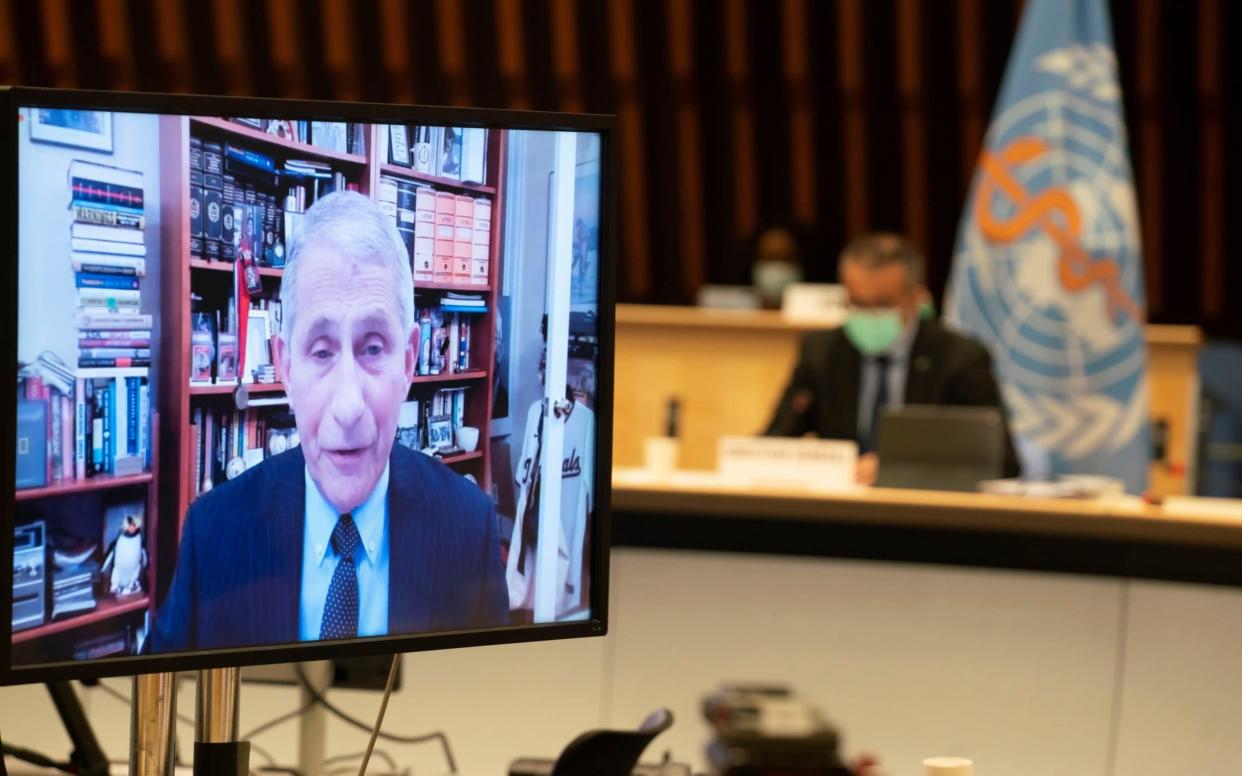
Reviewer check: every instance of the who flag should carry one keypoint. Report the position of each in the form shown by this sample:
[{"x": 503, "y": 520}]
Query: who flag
[{"x": 1047, "y": 270}]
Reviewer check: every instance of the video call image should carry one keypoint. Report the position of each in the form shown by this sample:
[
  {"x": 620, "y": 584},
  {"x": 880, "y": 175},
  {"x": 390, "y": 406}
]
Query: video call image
[{"x": 285, "y": 381}]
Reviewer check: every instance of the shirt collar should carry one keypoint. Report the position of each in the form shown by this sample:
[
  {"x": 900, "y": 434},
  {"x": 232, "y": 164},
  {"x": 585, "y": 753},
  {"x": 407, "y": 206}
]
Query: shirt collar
[
  {"x": 321, "y": 519},
  {"x": 900, "y": 351}
]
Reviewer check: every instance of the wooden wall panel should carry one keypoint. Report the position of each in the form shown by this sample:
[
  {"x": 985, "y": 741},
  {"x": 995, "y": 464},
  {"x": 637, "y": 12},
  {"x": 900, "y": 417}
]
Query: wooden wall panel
[{"x": 839, "y": 115}]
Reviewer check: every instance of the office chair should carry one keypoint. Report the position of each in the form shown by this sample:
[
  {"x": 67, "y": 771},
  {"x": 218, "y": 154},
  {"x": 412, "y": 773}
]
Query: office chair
[{"x": 610, "y": 752}]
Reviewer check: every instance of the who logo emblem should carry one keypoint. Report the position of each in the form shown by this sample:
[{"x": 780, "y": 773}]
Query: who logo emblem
[{"x": 1048, "y": 268}]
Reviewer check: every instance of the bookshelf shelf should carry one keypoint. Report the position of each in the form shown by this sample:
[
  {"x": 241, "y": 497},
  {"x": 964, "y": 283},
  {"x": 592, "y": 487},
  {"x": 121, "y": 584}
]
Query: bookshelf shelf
[
  {"x": 227, "y": 266},
  {"x": 106, "y": 610},
  {"x": 442, "y": 183},
  {"x": 289, "y": 147},
  {"x": 451, "y": 377},
  {"x": 96, "y": 483},
  {"x": 462, "y": 457},
  {"x": 229, "y": 388},
  {"x": 452, "y": 287}
]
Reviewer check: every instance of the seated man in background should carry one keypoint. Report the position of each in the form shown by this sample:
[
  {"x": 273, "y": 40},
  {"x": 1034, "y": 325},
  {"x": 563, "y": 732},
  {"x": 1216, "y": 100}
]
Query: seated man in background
[{"x": 886, "y": 355}]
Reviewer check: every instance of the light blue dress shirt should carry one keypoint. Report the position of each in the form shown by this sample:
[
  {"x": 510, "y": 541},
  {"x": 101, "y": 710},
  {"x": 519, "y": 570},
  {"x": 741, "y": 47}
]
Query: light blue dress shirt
[
  {"x": 898, "y": 368},
  {"x": 319, "y": 560}
]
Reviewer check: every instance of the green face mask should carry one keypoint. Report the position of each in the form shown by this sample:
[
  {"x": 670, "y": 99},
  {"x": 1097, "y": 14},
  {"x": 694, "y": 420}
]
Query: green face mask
[
  {"x": 873, "y": 332},
  {"x": 927, "y": 310}
]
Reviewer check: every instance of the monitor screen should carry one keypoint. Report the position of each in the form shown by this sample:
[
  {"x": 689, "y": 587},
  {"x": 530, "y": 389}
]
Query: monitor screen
[{"x": 321, "y": 376}]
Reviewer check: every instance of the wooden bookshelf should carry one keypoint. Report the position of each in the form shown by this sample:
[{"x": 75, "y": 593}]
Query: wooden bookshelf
[
  {"x": 231, "y": 388},
  {"x": 227, "y": 266},
  {"x": 100, "y": 485},
  {"x": 105, "y": 610},
  {"x": 251, "y": 137},
  {"x": 182, "y": 276},
  {"x": 455, "y": 288},
  {"x": 96, "y": 483},
  {"x": 448, "y": 184},
  {"x": 451, "y": 377}
]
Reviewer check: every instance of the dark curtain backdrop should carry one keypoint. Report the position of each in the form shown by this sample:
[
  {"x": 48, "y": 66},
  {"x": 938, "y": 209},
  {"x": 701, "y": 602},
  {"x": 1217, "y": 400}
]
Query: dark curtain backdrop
[{"x": 845, "y": 115}]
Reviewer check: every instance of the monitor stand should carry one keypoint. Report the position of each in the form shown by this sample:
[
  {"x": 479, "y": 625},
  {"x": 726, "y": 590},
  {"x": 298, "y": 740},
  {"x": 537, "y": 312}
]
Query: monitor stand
[
  {"x": 87, "y": 757},
  {"x": 217, "y": 752},
  {"x": 152, "y": 722}
]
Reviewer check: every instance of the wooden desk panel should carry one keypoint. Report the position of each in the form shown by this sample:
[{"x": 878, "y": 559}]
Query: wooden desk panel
[
  {"x": 1191, "y": 540},
  {"x": 1126, "y": 518}
]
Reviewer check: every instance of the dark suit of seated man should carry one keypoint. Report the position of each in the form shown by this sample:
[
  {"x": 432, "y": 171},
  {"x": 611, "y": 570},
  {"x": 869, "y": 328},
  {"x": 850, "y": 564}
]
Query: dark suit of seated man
[
  {"x": 886, "y": 355},
  {"x": 346, "y": 535}
]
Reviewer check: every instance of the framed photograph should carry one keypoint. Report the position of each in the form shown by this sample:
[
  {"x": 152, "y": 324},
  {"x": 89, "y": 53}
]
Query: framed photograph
[
  {"x": 79, "y": 128},
  {"x": 257, "y": 334},
  {"x": 440, "y": 432},
  {"x": 398, "y": 145},
  {"x": 584, "y": 275}
]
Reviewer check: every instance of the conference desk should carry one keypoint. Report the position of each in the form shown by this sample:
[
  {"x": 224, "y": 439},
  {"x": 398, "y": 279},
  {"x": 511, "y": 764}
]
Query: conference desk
[
  {"x": 728, "y": 367},
  {"x": 1185, "y": 539}
]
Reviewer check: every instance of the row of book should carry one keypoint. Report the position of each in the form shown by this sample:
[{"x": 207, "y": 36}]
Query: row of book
[
  {"x": 456, "y": 153},
  {"x": 229, "y": 441},
  {"x": 444, "y": 332},
  {"x": 214, "y": 354},
  {"x": 448, "y": 235},
  {"x": 227, "y": 179},
  {"x": 337, "y": 136},
  {"x": 98, "y": 423},
  {"x": 430, "y": 424},
  {"x": 108, "y": 254}
]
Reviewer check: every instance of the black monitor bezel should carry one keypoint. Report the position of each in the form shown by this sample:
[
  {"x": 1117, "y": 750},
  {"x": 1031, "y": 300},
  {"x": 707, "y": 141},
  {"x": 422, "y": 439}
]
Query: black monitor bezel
[{"x": 13, "y": 98}]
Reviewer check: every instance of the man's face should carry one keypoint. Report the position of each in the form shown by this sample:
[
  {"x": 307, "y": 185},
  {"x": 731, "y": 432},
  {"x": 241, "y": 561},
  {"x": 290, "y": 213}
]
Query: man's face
[
  {"x": 885, "y": 286},
  {"x": 347, "y": 367}
]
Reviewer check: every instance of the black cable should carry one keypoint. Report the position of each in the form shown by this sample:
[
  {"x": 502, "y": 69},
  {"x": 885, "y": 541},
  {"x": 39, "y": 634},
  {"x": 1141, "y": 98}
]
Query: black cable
[
  {"x": 266, "y": 726},
  {"x": 363, "y": 726},
  {"x": 380, "y": 753},
  {"x": 35, "y": 758}
]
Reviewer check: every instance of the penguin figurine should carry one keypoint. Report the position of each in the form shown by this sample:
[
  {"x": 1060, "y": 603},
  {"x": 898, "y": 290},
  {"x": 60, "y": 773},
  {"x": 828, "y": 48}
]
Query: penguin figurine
[{"x": 128, "y": 558}]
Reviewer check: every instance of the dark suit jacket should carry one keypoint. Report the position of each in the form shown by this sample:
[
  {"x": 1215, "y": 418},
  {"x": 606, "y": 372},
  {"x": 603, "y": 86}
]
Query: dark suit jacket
[
  {"x": 944, "y": 368},
  {"x": 238, "y": 580}
]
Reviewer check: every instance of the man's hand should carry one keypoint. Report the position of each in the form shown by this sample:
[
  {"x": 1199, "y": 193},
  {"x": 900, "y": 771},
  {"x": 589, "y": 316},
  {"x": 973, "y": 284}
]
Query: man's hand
[{"x": 866, "y": 468}]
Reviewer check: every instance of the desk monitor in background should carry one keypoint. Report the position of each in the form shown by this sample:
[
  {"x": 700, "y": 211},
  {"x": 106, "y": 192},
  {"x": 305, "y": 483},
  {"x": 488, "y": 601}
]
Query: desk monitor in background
[
  {"x": 273, "y": 356},
  {"x": 940, "y": 448}
]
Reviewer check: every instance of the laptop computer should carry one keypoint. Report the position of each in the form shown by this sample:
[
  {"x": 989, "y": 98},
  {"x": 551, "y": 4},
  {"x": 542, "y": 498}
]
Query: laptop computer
[{"x": 933, "y": 447}]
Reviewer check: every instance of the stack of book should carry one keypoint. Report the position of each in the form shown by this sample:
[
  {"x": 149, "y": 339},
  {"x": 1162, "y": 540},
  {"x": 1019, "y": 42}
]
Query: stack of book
[
  {"x": 226, "y": 178},
  {"x": 96, "y": 421},
  {"x": 73, "y": 588},
  {"x": 229, "y": 441},
  {"x": 109, "y": 262},
  {"x": 444, "y": 336},
  {"x": 463, "y": 303}
]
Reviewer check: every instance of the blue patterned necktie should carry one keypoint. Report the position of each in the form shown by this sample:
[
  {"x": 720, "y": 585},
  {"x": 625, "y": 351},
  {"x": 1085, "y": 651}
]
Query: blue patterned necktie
[
  {"x": 882, "y": 365},
  {"x": 340, "y": 610}
]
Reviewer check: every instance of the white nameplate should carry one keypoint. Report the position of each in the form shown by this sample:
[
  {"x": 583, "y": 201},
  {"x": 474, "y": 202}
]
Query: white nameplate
[
  {"x": 821, "y": 464},
  {"x": 815, "y": 304}
]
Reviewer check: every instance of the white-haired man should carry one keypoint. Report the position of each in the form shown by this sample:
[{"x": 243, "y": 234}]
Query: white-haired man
[{"x": 347, "y": 535}]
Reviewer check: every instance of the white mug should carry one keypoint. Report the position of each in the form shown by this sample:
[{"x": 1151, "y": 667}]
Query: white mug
[
  {"x": 660, "y": 454},
  {"x": 468, "y": 438}
]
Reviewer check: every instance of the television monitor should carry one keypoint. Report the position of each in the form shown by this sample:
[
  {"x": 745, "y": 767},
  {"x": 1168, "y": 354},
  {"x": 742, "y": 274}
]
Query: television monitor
[{"x": 300, "y": 380}]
